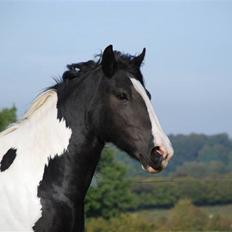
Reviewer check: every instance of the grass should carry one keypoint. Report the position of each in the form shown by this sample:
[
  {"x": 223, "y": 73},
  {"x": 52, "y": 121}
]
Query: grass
[{"x": 224, "y": 210}]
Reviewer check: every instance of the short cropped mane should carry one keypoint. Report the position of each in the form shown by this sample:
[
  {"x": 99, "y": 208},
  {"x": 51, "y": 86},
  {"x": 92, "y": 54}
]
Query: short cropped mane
[
  {"x": 76, "y": 70},
  {"x": 37, "y": 104},
  {"x": 123, "y": 57}
]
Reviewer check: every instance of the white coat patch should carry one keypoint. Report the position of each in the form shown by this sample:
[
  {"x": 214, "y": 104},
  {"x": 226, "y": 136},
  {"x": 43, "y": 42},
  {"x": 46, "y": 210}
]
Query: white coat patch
[
  {"x": 160, "y": 138},
  {"x": 37, "y": 137}
]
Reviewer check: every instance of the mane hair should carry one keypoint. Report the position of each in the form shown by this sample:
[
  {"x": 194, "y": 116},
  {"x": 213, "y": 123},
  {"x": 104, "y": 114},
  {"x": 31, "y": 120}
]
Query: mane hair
[
  {"x": 37, "y": 104},
  {"x": 76, "y": 70}
]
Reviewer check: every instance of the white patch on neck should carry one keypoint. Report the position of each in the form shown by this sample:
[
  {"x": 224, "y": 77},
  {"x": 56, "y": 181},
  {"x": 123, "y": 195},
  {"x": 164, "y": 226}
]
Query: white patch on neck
[
  {"x": 160, "y": 138},
  {"x": 38, "y": 137}
]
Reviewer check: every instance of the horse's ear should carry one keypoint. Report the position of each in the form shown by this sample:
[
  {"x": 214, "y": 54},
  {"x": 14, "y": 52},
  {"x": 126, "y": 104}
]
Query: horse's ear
[
  {"x": 138, "y": 60},
  {"x": 108, "y": 62}
]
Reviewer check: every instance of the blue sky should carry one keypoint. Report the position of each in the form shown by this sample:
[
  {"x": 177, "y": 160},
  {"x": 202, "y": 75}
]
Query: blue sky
[{"x": 188, "y": 66}]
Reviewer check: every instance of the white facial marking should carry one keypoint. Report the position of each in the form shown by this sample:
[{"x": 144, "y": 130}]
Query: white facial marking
[
  {"x": 38, "y": 137},
  {"x": 160, "y": 138}
]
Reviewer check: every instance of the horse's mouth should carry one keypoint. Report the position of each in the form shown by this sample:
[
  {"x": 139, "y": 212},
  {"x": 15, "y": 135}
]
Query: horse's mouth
[{"x": 149, "y": 167}]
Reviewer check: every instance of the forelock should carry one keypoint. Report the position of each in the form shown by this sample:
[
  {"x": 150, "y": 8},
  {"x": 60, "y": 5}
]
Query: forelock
[{"x": 125, "y": 62}]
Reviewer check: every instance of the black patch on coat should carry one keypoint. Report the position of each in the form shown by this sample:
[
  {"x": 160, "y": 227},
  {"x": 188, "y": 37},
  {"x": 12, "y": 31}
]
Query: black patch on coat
[
  {"x": 65, "y": 181},
  {"x": 8, "y": 159}
]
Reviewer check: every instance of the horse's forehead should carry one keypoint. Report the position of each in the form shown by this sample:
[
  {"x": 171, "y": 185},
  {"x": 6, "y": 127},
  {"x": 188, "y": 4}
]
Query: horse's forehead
[
  {"x": 124, "y": 78},
  {"x": 138, "y": 86}
]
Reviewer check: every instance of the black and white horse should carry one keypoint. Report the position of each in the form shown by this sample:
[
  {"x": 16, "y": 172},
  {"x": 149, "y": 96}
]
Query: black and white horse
[{"x": 49, "y": 157}]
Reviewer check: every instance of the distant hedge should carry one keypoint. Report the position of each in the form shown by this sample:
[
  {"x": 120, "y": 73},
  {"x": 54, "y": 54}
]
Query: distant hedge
[{"x": 166, "y": 192}]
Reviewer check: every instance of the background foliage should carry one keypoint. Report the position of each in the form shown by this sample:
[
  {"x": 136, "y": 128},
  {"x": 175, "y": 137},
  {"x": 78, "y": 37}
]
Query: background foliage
[
  {"x": 7, "y": 116},
  {"x": 110, "y": 194},
  {"x": 183, "y": 217}
]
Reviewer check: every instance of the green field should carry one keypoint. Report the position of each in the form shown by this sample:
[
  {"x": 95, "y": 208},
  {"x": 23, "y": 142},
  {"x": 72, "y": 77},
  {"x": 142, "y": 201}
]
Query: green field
[{"x": 223, "y": 210}]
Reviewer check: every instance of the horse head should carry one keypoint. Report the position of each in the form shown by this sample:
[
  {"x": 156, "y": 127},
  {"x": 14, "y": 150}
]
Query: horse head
[{"x": 121, "y": 111}]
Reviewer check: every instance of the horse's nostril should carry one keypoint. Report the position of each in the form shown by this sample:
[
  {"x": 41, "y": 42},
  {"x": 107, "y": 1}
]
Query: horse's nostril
[
  {"x": 156, "y": 159},
  {"x": 157, "y": 149}
]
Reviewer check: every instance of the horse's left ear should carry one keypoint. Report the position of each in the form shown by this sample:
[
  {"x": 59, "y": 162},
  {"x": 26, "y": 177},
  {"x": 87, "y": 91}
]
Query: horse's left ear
[
  {"x": 139, "y": 59},
  {"x": 108, "y": 62}
]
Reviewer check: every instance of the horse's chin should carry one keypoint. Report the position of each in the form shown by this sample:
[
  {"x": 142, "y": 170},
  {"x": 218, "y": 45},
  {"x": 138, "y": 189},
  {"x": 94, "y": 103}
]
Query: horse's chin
[{"x": 150, "y": 169}]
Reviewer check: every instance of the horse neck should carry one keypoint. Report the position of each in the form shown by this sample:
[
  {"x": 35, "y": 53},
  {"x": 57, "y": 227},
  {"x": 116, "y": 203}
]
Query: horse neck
[{"x": 67, "y": 177}]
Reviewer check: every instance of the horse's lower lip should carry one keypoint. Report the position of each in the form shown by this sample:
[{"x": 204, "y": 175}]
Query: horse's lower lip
[{"x": 150, "y": 170}]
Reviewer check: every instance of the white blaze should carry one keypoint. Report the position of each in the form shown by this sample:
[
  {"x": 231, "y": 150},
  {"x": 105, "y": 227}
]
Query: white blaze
[
  {"x": 38, "y": 137},
  {"x": 160, "y": 138}
]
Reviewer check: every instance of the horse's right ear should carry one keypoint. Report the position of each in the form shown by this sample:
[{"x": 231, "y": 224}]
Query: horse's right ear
[{"x": 108, "y": 62}]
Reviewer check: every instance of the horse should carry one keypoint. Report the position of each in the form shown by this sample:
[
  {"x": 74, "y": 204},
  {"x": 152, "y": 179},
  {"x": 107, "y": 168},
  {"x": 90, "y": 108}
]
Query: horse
[{"x": 48, "y": 158}]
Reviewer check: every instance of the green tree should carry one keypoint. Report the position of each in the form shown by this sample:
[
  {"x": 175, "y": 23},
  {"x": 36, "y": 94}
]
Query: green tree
[
  {"x": 216, "y": 152},
  {"x": 7, "y": 116},
  {"x": 110, "y": 194}
]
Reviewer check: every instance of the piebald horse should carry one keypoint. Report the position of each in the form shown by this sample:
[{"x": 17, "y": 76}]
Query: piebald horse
[{"x": 48, "y": 158}]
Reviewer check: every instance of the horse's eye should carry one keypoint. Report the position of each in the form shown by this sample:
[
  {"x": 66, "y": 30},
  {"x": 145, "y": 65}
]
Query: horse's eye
[{"x": 122, "y": 96}]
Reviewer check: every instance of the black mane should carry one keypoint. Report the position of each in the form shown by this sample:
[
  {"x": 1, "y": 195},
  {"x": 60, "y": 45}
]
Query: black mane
[{"x": 124, "y": 61}]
